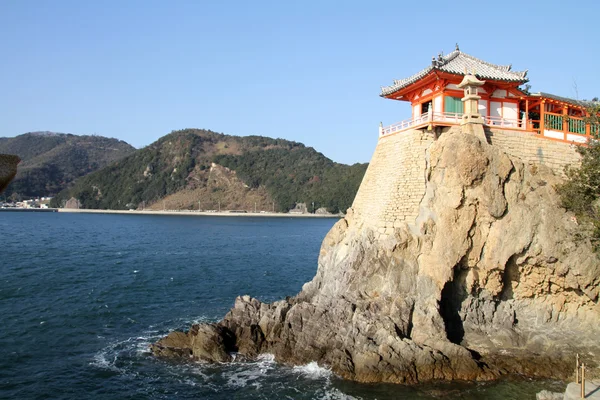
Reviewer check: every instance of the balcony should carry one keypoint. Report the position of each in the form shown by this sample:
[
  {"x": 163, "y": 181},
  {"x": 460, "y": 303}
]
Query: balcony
[{"x": 450, "y": 119}]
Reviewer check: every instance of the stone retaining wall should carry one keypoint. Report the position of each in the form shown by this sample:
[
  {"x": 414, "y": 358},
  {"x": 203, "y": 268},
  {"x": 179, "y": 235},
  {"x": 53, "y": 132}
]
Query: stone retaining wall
[
  {"x": 394, "y": 182},
  {"x": 535, "y": 150}
]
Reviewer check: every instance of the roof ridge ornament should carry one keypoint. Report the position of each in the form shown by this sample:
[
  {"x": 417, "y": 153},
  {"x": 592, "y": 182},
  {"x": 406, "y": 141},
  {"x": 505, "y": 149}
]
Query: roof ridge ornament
[{"x": 457, "y": 49}]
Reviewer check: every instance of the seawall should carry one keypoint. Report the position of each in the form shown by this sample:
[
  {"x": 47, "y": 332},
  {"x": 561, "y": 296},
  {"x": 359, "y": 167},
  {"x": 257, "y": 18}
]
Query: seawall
[{"x": 197, "y": 213}]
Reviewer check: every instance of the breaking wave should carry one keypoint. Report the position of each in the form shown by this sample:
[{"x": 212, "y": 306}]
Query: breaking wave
[{"x": 262, "y": 378}]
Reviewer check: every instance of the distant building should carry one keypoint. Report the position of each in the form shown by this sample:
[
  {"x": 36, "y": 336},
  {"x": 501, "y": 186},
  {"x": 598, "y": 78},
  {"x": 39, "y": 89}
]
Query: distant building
[
  {"x": 436, "y": 100},
  {"x": 73, "y": 203},
  {"x": 300, "y": 208}
]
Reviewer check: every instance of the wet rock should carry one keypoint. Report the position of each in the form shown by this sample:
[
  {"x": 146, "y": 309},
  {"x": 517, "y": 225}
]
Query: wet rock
[{"x": 205, "y": 342}]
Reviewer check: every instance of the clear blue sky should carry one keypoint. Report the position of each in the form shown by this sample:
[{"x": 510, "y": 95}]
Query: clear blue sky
[{"x": 307, "y": 71}]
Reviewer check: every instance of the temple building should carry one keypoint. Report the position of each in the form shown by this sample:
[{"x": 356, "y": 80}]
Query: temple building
[{"x": 436, "y": 96}]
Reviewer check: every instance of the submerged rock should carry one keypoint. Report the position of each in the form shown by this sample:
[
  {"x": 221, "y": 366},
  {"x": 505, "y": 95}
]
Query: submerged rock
[{"x": 491, "y": 277}]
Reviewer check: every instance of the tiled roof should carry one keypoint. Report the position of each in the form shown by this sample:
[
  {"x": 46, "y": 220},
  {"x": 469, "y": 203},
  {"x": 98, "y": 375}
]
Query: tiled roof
[
  {"x": 457, "y": 63},
  {"x": 582, "y": 103}
]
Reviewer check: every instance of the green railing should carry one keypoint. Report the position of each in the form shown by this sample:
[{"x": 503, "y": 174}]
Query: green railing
[
  {"x": 577, "y": 126},
  {"x": 554, "y": 122}
]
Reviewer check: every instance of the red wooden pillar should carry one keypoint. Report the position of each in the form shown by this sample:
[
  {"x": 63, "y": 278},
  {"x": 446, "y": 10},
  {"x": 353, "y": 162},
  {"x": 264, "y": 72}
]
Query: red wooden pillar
[
  {"x": 527, "y": 123},
  {"x": 588, "y": 126},
  {"x": 542, "y": 116}
]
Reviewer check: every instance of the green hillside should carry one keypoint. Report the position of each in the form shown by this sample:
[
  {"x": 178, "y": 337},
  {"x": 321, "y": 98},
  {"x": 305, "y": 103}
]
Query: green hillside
[
  {"x": 51, "y": 161},
  {"x": 185, "y": 161}
]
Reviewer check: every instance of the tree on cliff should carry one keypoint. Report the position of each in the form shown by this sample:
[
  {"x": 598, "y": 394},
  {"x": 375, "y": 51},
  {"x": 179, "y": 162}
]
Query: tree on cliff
[{"x": 581, "y": 192}]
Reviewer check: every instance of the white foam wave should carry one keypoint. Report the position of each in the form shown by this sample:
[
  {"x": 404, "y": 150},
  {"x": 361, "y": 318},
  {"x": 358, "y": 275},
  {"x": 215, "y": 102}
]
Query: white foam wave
[
  {"x": 108, "y": 356},
  {"x": 313, "y": 370},
  {"x": 250, "y": 373},
  {"x": 335, "y": 394},
  {"x": 197, "y": 320},
  {"x": 105, "y": 360},
  {"x": 142, "y": 344},
  {"x": 137, "y": 346},
  {"x": 266, "y": 358}
]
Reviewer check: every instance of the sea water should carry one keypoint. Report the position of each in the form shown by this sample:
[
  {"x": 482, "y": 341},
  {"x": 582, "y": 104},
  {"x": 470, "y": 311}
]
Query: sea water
[{"x": 83, "y": 295}]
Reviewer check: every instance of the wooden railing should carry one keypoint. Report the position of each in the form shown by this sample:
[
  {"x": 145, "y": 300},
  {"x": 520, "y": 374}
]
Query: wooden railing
[
  {"x": 448, "y": 117},
  {"x": 551, "y": 121},
  {"x": 503, "y": 122},
  {"x": 404, "y": 125},
  {"x": 576, "y": 125},
  {"x": 573, "y": 129},
  {"x": 422, "y": 120}
]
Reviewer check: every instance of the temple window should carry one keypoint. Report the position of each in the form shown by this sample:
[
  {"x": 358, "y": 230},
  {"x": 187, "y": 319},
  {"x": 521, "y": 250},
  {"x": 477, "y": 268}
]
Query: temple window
[{"x": 453, "y": 105}]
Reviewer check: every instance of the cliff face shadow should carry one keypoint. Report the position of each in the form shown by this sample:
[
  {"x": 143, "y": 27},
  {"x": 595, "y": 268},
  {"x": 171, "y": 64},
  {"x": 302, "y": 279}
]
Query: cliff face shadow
[
  {"x": 453, "y": 294},
  {"x": 511, "y": 274}
]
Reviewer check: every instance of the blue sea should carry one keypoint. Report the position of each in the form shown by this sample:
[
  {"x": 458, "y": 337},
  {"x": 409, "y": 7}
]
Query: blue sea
[{"x": 83, "y": 295}]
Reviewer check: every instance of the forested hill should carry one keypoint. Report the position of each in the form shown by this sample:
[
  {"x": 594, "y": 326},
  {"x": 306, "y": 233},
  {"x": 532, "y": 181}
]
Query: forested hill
[
  {"x": 192, "y": 168},
  {"x": 51, "y": 161}
]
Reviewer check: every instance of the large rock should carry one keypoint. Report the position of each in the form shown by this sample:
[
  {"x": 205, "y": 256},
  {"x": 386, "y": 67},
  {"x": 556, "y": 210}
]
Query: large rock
[
  {"x": 493, "y": 277},
  {"x": 8, "y": 169},
  {"x": 207, "y": 342}
]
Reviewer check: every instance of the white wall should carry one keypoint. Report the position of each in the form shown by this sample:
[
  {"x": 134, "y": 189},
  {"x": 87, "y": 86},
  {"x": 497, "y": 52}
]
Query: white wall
[
  {"x": 482, "y": 107},
  {"x": 576, "y": 138},
  {"x": 416, "y": 111},
  {"x": 511, "y": 111},
  {"x": 438, "y": 104},
  {"x": 495, "y": 109},
  {"x": 554, "y": 134}
]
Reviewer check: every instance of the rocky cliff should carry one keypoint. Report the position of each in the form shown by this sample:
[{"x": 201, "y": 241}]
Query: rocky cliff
[{"x": 455, "y": 262}]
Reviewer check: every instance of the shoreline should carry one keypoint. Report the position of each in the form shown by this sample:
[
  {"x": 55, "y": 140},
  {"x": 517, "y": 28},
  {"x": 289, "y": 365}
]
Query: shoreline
[
  {"x": 15, "y": 209},
  {"x": 199, "y": 213}
]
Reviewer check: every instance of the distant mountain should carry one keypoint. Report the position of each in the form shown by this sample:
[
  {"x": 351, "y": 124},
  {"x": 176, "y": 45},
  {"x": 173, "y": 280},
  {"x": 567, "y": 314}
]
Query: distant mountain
[
  {"x": 193, "y": 168},
  {"x": 51, "y": 161}
]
